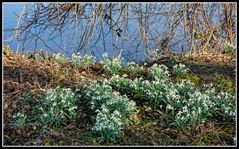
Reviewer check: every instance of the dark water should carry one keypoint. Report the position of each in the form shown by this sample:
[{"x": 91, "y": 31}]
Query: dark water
[{"x": 130, "y": 53}]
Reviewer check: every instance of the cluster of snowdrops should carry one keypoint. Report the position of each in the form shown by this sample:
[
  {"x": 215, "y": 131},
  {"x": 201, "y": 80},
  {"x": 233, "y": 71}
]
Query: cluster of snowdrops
[{"x": 112, "y": 107}]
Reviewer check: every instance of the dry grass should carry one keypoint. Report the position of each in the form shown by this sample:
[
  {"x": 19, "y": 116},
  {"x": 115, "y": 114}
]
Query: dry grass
[{"x": 27, "y": 75}]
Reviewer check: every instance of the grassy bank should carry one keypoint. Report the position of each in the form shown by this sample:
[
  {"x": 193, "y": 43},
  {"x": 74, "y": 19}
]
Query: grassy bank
[{"x": 106, "y": 103}]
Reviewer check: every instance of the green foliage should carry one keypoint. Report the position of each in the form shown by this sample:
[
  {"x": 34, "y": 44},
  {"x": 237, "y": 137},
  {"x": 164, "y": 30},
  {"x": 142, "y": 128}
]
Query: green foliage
[
  {"x": 137, "y": 86},
  {"x": 113, "y": 66},
  {"x": 185, "y": 88},
  {"x": 158, "y": 72},
  {"x": 229, "y": 49},
  {"x": 133, "y": 69},
  {"x": 58, "y": 107},
  {"x": 83, "y": 61},
  {"x": 183, "y": 102},
  {"x": 26, "y": 105},
  {"x": 196, "y": 110},
  {"x": 199, "y": 107},
  {"x": 96, "y": 94},
  {"x": 156, "y": 90},
  {"x": 59, "y": 58},
  {"x": 112, "y": 117},
  {"x": 20, "y": 120},
  {"x": 225, "y": 104},
  {"x": 108, "y": 125},
  {"x": 193, "y": 78},
  {"x": 223, "y": 84},
  {"x": 113, "y": 110},
  {"x": 25, "y": 99},
  {"x": 121, "y": 84},
  {"x": 180, "y": 70}
]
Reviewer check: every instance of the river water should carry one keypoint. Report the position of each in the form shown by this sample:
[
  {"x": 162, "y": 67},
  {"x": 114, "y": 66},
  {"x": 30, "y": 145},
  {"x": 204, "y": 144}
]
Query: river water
[
  {"x": 11, "y": 12},
  {"x": 129, "y": 53}
]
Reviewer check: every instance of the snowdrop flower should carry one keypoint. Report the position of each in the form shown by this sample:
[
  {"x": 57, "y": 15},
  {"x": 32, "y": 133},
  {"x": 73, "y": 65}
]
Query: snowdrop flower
[
  {"x": 125, "y": 75},
  {"x": 169, "y": 107}
]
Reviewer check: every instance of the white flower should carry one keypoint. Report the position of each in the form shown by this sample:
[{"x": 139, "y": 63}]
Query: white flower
[
  {"x": 105, "y": 54},
  {"x": 169, "y": 107},
  {"x": 234, "y": 139},
  {"x": 131, "y": 63},
  {"x": 185, "y": 109},
  {"x": 125, "y": 75},
  {"x": 179, "y": 113},
  {"x": 72, "y": 108}
]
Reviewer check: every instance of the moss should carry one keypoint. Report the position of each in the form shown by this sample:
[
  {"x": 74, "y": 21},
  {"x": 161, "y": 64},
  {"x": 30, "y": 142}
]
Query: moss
[
  {"x": 223, "y": 83},
  {"x": 193, "y": 78},
  {"x": 48, "y": 141},
  {"x": 134, "y": 119},
  {"x": 177, "y": 80}
]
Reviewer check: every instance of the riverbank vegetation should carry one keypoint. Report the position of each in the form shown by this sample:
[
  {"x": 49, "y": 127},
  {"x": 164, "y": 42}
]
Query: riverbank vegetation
[
  {"x": 121, "y": 74},
  {"x": 79, "y": 101}
]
